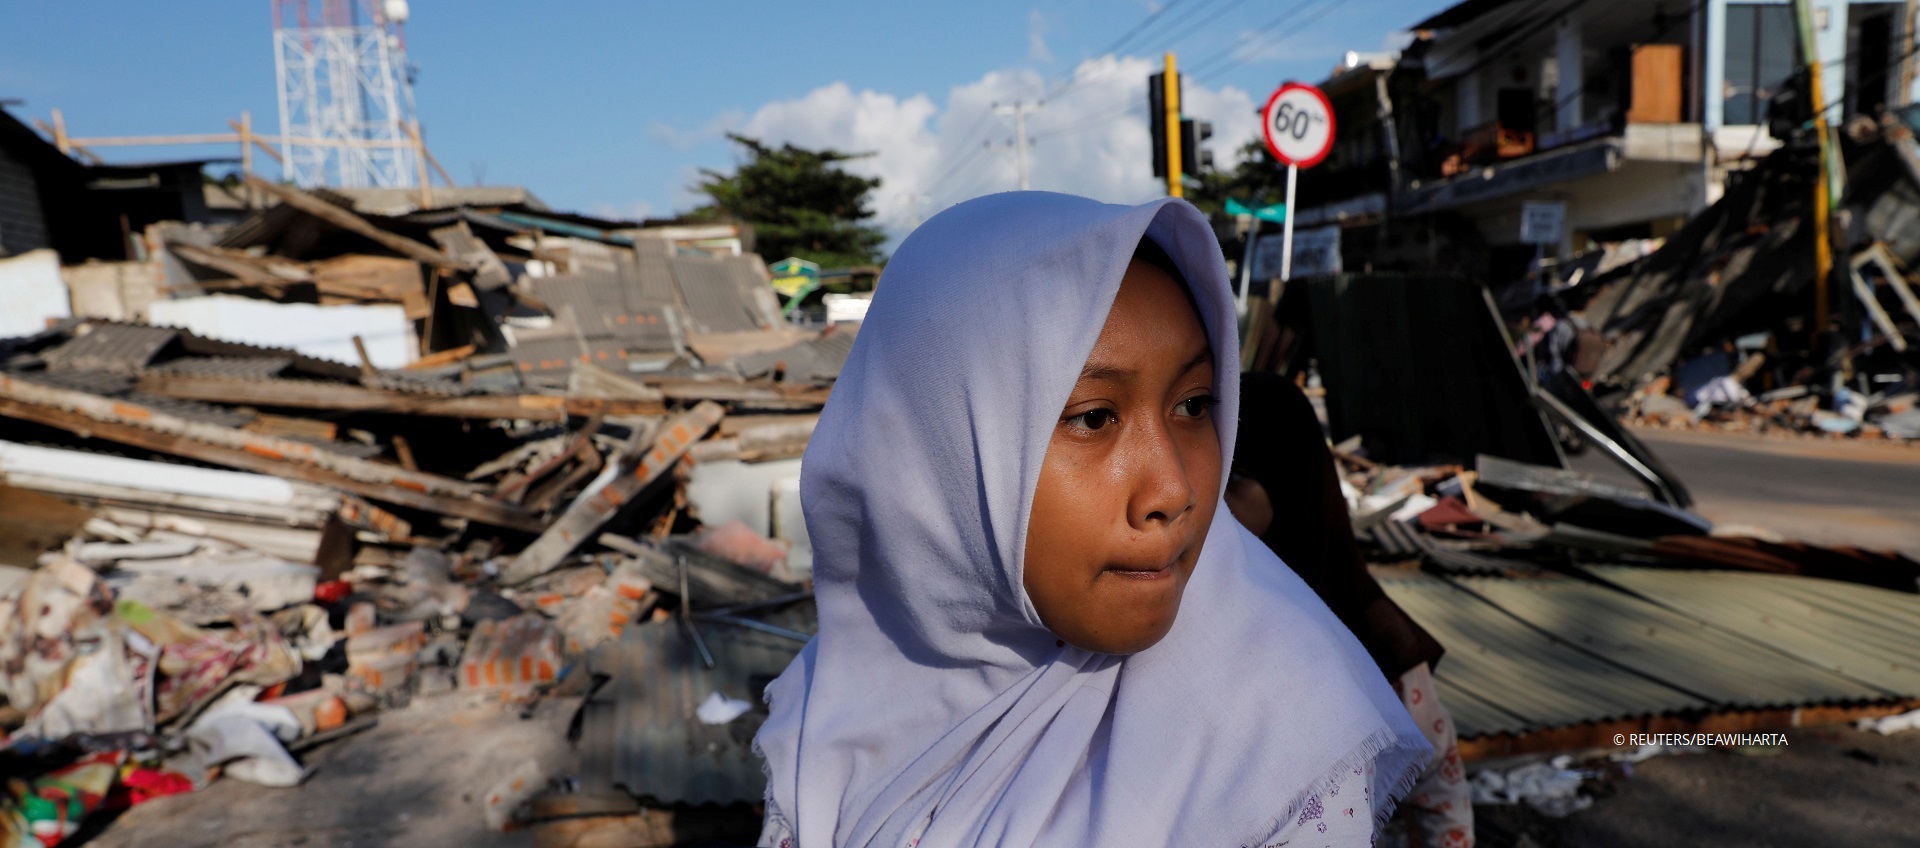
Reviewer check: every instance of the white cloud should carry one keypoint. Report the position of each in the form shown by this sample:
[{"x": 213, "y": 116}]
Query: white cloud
[
  {"x": 1037, "y": 29},
  {"x": 1090, "y": 137}
]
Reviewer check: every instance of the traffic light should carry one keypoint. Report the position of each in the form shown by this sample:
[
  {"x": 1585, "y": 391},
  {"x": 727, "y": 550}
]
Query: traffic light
[
  {"x": 1194, "y": 160},
  {"x": 1157, "y": 119}
]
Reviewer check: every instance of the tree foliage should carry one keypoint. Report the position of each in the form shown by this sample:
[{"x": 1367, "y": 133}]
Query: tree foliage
[
  {"x": 800, "y": 203},
  {"x": 1259, "y": 180}
]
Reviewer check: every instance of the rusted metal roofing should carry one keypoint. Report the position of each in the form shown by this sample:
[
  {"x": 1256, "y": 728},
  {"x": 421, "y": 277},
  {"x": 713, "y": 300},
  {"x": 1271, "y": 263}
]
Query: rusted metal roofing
[
  {"x": 120, "y": 387},
  {"x": 1553, "y": 651},
  {"x": 639, "y": 733}
]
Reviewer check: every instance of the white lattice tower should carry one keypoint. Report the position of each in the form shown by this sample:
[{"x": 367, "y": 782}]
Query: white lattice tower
[{"x": 346, "y": 104}]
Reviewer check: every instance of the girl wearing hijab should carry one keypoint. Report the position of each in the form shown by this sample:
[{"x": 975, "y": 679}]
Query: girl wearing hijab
[{"x": 1037, "y": 627}]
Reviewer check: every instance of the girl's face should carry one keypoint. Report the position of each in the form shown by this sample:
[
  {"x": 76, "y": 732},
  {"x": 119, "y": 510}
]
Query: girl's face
[{"x": 1131, "y": 476}]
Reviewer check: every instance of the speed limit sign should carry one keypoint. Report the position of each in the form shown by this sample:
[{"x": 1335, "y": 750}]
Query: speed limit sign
[{"x": 1298, "y": 125}]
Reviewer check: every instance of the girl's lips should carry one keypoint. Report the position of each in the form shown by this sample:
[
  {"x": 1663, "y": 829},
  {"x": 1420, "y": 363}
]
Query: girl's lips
[{"x": 1135, "y": 572}]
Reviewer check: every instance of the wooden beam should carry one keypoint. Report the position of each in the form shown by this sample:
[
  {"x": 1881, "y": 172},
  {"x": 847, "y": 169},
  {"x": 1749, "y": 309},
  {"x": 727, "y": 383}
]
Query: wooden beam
[
  {"x": 594, "y": 508},
  {"x": 259, "y": 142},
  {"x": 73, "y": 149},
  {"x": 420, "y": 163},
  {"x": 244, "y": 267},
  {"x": 439, "y": 358},
  {"x": 353, "y": 223},
  {"x": 156, "y": 140},
  {"x": 420, "y": 135},
  {"x": 261, "y": 454},
  {"x": 343, "y": 397}
]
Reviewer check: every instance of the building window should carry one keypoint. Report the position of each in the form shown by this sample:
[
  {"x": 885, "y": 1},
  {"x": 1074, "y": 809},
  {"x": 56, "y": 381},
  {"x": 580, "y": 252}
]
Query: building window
[{"x": 1761, "y": 55}]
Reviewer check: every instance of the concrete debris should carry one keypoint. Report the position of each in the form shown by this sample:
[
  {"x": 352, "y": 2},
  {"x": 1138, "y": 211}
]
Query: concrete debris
[{"x": 222, "y": 544}]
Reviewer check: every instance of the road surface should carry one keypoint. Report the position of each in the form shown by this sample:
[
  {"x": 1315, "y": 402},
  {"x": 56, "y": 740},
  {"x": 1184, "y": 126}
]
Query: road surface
[{"x": 1829, "y": 492}]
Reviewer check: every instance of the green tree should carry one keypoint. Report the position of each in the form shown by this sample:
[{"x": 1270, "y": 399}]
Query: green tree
[
  {"x": 1258, "y": 180},
  {"x": 799, "y": 202}
]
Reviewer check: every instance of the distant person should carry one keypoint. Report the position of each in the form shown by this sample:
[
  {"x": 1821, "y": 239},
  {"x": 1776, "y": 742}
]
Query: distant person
[
  {"x": 1037, "y": 628},
  {"x": 1286, "y": 490}
]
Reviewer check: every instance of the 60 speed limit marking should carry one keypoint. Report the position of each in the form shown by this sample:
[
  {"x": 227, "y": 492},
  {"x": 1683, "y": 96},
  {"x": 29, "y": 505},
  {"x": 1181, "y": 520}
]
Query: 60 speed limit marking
[{"x": 1298, "y": 125}]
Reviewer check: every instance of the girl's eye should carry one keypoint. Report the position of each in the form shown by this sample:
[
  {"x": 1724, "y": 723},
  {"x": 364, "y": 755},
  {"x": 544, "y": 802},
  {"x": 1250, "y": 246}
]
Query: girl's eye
[
  {"x": 1092, "y": 419},
  {"x": 1196, "y": 407}
]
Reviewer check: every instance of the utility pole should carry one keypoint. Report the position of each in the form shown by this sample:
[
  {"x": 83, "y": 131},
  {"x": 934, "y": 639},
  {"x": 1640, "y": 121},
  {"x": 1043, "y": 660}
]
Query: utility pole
[
  {"x": 1828, "y": 187},
  {"x": 1174, "y": 187},
  {"x": 1019, "y": 110}
]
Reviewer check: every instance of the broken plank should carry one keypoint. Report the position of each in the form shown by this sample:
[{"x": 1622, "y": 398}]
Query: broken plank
[
  {"x": 353, "y": 223},
  {"x": 743, "y": 394},
  {"x": 485, "y": 511},
  {"x": 595, "y": 507},
  {"x": 345, "y": 397},
  {"x": 242, "y": 266},
  {"x": 153, "y": 429}
]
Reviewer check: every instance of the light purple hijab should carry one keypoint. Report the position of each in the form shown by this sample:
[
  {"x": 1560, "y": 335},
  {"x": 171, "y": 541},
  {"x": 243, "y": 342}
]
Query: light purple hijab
[{"x": 933, "y": 704}]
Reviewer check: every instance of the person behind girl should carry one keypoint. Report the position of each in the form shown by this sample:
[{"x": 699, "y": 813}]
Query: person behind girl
[
  {"x": 1037, "y": 627},
  {"x": 1285, "y": 489}
]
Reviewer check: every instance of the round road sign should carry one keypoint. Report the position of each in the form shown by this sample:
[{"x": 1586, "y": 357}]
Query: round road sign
[{"x": 1298, "y": 125}]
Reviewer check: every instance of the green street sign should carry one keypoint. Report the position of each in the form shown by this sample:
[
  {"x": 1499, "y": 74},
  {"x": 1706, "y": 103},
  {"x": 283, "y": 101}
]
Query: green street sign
[{"x": 1277, "y": 213}]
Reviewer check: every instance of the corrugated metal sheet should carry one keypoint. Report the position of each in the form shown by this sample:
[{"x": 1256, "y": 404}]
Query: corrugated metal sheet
[
  {"x": 639, "y": 732},
  {"x": 554, "y": 355},
  {"x": 1726, "y": 668},
  {"x": 120, "y": 387},
  {"x": 236, "y": 367},
  {"x": 818, "y": 359},
  {"x": 719, "y": 292},
  {"x": 1867, "y": 634},
  {"x": 652, "y": 272},
  {"x": 1501, "y": 675},
  {"x": 103, "y": 346},
  {"x": 609, "y": 305},
  {"x": 1554, "y": 651}
]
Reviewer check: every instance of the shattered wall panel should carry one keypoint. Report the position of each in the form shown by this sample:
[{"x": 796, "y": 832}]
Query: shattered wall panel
[{"x": 719, "y": 293}]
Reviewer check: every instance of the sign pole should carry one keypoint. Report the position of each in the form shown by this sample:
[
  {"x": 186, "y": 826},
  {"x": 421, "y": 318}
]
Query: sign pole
[
  {"x": 1246, "y": 262},
  {"x": 1286, "y": 231},
  {"x": 1297, "y": 123}
]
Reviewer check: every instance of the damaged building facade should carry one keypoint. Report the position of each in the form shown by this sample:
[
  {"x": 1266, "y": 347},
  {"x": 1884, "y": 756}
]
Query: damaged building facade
[{"x": 1632, "y": 114}]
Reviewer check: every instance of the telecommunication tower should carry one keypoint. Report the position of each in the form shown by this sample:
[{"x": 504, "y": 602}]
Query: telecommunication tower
[{"x": 346, "y": 97}]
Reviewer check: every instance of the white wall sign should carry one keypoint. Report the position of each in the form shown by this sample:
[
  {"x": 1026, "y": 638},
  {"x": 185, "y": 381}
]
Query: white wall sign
[
  {"x": 1315, "y": 252},
  {"x": 1542, "y": 222}
]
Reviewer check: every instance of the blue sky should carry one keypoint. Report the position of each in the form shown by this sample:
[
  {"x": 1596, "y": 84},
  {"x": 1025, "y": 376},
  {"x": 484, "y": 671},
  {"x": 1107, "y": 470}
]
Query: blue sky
[{"x": 611, "y": 108}]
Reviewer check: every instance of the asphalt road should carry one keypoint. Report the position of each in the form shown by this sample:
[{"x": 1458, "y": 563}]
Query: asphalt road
[{"x": 1830, "y": 492}]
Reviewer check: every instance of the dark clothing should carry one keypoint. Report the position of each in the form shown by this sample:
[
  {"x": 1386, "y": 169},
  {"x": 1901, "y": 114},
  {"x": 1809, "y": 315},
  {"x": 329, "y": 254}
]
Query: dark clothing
[{"x": 1282, "y": 447}]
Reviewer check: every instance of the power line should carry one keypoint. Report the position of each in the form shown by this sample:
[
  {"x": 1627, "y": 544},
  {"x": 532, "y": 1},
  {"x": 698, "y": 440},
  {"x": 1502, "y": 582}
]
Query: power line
[
  {"x": 1263, "y": 39},
  {"x": 1172, "y": 41},
  {"x": 1060, "y": 89}
]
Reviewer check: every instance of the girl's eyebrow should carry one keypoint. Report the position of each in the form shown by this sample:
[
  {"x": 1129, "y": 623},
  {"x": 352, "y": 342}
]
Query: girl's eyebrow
[{"x": 1113, "y": 373}]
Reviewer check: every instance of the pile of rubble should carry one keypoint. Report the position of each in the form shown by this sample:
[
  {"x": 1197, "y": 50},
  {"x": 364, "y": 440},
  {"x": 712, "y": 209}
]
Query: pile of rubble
[
  {"x": 1720, "y": 328},
  {"x": 500, "y": 450}
]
